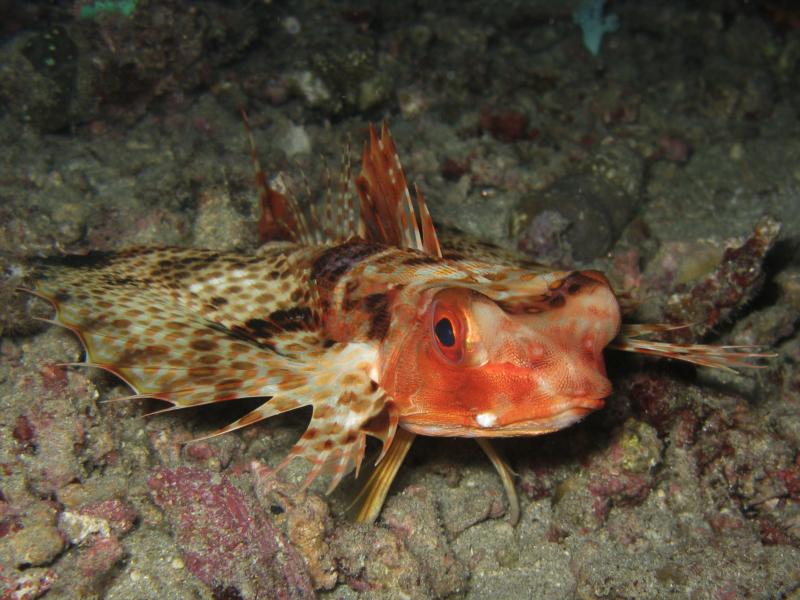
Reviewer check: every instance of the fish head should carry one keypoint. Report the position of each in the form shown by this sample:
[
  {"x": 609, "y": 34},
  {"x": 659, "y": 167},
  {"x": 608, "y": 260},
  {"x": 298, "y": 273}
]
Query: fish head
[{"x": 470, "y": 364}]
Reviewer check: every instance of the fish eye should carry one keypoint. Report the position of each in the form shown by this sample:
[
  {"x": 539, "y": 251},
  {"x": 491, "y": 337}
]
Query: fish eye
[
  {"x": 448, "y": 329},
  {"x": 444, "y": 332}
]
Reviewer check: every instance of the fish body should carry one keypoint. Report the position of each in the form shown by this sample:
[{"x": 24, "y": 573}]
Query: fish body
[
  {"x": 364, "y": 319},
  {"x": 523, "y": 356}
]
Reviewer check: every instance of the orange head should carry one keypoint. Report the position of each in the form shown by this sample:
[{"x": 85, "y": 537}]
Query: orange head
[{"x": 463, "y": 364}]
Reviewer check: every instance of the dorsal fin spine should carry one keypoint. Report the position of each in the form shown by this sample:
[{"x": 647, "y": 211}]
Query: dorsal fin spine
[
  {"x": 388, "y": 213},
  {"x": 277, "y": 220}
]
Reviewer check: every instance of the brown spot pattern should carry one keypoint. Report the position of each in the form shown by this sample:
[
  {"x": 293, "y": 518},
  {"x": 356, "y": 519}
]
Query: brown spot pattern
[{"x": 337, "y": 260}]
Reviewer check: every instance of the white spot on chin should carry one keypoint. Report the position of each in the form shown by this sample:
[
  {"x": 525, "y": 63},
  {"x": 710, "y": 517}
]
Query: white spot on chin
[{"x": 486, "y": 419}]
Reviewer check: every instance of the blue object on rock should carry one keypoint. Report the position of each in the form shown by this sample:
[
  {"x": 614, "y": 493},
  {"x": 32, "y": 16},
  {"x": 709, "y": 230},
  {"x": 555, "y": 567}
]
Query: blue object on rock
[
  {"x": 91, "y": 10},
  {"x": 589, "y": 16}
]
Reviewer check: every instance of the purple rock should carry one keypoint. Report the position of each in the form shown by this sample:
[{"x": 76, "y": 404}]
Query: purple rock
[{"x": 226, "y": 541}]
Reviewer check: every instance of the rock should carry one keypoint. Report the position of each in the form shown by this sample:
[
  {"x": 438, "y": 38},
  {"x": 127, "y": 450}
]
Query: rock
[
  {"x": 375, "y": 560},
  {"x": 38, "y": 78},
  {"x": 295, "y": 140},
  {"x": 620, "y": 475},
  {"x": 101, "y": 518},
  {"x": 100, "y": 556},
  {"x": 30, "y": 584},
  {"x": 736, "y": 279},
  {"x": 412, "y": 516},
  {"x": 308, "y": 525},
  {"x": 226, "y": 541},
  {"x": 35, "y": 545},
  {"x": 219, "y": 225},
  {"x": 597, "y": 211}
]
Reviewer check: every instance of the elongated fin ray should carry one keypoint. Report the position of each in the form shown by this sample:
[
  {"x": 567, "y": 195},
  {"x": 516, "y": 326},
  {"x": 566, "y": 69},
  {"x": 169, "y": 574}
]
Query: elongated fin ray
[
  {"x": 506, "y": 476},
  {"x": 430, "y": 239},
  {"x": 727, "y": 358},
  {"x": 366, "y": 506}
]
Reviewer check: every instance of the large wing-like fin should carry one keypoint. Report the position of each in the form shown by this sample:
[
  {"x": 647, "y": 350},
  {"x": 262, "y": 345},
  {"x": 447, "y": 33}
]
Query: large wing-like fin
[
  {"x": 265, "y": 298},
  {"x": 169, "y": 347}
]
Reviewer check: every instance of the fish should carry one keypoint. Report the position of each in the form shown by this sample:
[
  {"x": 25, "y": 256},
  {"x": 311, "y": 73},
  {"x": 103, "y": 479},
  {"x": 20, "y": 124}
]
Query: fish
[{"x": 358, "y": 311}]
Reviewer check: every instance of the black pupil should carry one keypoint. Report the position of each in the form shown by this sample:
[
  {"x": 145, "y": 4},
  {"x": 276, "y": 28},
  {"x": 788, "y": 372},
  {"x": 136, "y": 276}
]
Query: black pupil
[{"x": 444, "y": 332}]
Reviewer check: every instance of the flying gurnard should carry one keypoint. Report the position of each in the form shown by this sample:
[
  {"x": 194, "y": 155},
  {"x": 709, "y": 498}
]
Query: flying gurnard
[{"x": 355, "y": 309}]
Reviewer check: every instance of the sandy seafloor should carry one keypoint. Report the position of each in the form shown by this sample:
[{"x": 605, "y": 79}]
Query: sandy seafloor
[{"x": 669, "y": 160}]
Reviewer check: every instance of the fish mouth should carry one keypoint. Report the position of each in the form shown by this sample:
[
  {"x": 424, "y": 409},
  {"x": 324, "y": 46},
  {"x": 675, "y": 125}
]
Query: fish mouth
[
  {"x": 567, "y": 412},
  {"x": 559, "y": 419},
  {"x": 588, "y": 403}
]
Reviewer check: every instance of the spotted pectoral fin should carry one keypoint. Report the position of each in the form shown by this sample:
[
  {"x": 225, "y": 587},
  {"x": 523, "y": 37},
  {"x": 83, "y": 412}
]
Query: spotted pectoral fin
[
  {"x": 727, "y": 358},
  {"x": 265, "y": 298},
  {"x": 163, "y": 351},
  {"x": 344, "y": 399}
]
